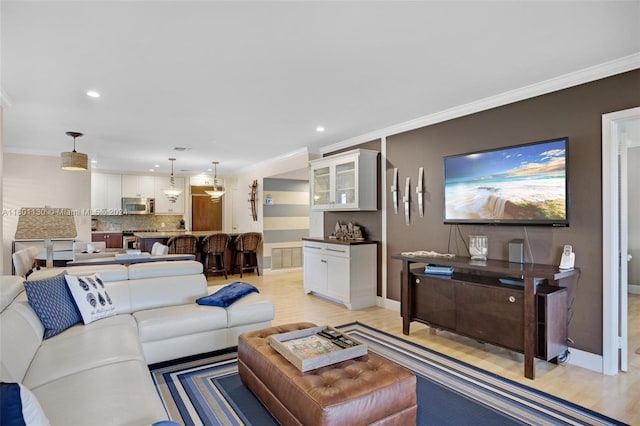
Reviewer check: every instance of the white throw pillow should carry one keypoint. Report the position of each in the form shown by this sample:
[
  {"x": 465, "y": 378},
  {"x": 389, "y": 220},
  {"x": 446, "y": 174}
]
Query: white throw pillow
[{"x": 91, "y": 297}]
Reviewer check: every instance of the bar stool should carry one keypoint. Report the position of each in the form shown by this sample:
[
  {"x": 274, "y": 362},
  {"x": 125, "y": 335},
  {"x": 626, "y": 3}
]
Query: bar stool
[
  {"x": 247, "y": 250},
  {"x": 213, "y": 247},
  {"x": 183, "y": 244}
]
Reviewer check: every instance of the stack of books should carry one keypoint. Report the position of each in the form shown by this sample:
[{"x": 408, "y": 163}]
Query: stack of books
[{"x": 438, "y": 269}]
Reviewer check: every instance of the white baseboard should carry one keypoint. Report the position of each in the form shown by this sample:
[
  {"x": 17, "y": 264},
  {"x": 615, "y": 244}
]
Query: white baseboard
[
  {"x": 634, "y": 289},
  {"x": 392, "y": 305},
  {"x": 269, "y": 271},
  {"x": 586, "y": 360}
]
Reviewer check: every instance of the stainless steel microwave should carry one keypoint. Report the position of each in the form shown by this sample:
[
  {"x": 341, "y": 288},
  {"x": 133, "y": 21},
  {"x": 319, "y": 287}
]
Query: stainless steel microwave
[{"x": 138, "y": 205}]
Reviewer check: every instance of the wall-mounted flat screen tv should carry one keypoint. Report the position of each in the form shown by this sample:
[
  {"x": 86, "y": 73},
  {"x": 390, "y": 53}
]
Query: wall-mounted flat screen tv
[{"x": 516, "y": 185}]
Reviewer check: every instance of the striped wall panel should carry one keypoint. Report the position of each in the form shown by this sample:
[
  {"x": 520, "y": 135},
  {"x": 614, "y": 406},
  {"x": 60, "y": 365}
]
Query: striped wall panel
[{"x": 285, "y": 221}]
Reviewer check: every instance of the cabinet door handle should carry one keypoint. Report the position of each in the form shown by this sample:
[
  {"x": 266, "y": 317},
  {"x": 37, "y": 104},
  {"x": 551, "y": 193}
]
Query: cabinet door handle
[
  {"x": 323, "y": 261},
  {"x": 337, "y": 251},
  {"x": 417, "y": 280},
  {"x": 512, "y": 299}
]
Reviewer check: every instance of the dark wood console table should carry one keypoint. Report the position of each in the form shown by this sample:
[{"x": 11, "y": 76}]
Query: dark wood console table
[{"x": 456, "y": 303}]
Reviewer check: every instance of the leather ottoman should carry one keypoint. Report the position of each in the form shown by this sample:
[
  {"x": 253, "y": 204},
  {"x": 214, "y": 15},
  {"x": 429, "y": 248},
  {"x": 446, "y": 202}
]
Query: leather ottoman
[{"x": 360, "y": 391}]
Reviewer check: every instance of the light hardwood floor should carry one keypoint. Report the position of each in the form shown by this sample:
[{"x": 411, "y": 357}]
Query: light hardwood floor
[{"x": 616, "y": 396}]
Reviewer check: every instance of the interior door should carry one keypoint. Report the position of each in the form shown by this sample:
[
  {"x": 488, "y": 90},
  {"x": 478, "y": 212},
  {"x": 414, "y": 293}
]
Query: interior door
[{"x": 206, "y": 214}]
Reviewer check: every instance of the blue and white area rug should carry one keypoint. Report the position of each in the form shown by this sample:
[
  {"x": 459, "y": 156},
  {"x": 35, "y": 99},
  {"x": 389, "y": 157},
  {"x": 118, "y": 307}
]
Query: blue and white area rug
[{"x": 208, "y": 391}]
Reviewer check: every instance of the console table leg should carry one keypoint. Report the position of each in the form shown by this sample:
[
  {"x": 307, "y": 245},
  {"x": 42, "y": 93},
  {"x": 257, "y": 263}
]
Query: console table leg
[
  {"x": 529, "y": 328},
  {"x": 405, "y": 303}
]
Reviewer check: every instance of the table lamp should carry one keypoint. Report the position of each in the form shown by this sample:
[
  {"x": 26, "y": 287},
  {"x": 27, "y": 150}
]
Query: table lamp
[{"x": 46, "y": 223}]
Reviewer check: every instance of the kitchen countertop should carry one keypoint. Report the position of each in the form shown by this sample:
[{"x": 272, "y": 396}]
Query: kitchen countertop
[
  {"x": 174, "y": 232},
  {"x": 336, "y": 241}
]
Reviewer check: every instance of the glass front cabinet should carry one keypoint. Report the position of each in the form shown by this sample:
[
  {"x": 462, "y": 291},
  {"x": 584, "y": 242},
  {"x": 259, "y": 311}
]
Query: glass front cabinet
[{"x": 345, "y": 181}]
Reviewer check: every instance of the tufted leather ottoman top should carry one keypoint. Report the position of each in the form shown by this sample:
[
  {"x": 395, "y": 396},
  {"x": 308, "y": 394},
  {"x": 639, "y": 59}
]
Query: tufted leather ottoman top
[{"x": 360, "y": 391}]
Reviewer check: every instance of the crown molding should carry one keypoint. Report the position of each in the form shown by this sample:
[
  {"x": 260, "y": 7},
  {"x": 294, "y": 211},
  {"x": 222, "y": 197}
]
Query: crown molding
[
  {"x": 286, "y": 156},
  {"x": 586, "y": 75}
]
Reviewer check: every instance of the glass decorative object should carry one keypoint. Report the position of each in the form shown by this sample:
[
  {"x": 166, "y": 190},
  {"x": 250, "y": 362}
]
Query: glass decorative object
[{"x": 478, "y": 247}]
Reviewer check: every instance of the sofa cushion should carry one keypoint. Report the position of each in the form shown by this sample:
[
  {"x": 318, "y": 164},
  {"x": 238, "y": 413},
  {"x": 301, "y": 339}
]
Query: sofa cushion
[
  {"x": 10, "y": 287},
  {"x": 18, "y": 406},
  {"x": 107, "y": 272},
  {"x": 91, "y": 297},
  {"x": 51, "y": 300},
  {"x": 179, "y": 320},
  {"x": 90, "y": 347},
  {"x": 164, "y": 269},
  {"x": 228, "y": 294},
  {"x": 253, "y": 308},
  {"x": 20, "y": 337},
  {"x": 149, "y": 293},
  {"x": 122, "y": 393}
]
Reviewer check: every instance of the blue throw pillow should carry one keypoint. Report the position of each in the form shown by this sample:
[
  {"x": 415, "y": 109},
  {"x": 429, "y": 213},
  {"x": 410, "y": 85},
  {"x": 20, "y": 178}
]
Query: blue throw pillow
[
  {"x": 52, "y": 301},
  {"x": 228, "y": 294},
  {"x": 19, "y": 407}
]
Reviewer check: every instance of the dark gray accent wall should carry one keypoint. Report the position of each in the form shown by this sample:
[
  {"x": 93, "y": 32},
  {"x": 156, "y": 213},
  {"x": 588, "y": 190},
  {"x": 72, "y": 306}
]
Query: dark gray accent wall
[{"x": 574, "y": 112}]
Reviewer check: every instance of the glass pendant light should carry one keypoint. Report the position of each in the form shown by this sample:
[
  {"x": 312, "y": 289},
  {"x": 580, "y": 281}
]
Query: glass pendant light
[
  {"x": 172, "y": 192},
  {"x": 218, "y": 184}
]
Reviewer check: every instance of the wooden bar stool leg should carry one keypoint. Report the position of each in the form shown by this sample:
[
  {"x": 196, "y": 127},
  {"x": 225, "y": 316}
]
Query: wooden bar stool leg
[{"x": 224, "y": 269}]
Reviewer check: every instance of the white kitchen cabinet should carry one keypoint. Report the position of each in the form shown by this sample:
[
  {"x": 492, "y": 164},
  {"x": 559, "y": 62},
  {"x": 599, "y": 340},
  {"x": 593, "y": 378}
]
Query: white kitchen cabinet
[
  {"x": 106, "y": 194},
  {"x": 163, "y": 206},
  {"x": 346, "y": 273},
  {"x": 345, "y": 181},
  {"x": 138, "y": 186}
]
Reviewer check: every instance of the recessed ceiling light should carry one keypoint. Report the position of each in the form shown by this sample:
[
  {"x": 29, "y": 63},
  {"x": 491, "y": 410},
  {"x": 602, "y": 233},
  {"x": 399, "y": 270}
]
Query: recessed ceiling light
[
  {"x": 156, "y": 166},
  {"x": 94, "y": 161},
  {"x": 320, "y": 129},
  {"x": 93, "y": 94},
  {"x": 152, "y": 170}
]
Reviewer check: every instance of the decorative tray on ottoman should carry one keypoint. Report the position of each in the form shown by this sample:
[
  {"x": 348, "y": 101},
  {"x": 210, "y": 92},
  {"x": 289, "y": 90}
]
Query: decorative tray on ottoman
[{"x": 316, "y": 347}]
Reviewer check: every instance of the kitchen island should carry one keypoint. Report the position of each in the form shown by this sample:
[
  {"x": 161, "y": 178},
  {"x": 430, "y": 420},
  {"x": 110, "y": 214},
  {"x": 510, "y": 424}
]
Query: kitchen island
[{"x": 145, "y": 240}]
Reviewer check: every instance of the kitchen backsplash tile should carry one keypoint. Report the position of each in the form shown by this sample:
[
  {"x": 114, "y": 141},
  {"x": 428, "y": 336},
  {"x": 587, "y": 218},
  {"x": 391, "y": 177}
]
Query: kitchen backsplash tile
[{"x": 127, "y": 222}]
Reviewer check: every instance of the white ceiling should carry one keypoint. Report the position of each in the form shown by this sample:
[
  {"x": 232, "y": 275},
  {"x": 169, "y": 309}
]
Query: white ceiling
[{"x": 243, "y": 82}]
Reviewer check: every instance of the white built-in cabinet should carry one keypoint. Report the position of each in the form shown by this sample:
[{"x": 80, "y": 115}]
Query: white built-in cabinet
[
  {"x": 106, "y": 194},
  {"x": 346, "y": 273},
  {"x": 107, "y": 191},
  {"x": 138, "y": 186},
  {"x": 345, "y": 181},
  {"x": 163, "y": 206}
]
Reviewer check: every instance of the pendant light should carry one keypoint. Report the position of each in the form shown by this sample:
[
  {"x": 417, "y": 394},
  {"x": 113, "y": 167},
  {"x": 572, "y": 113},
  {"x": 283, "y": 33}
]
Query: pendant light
[
  {"x": 74, "y": 160},
  {"x": 218, "y": 184},
  {"x": 172, "y": 192}
]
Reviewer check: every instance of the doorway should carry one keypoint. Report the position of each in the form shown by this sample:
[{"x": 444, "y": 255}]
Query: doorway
[
  {"x": 616, "y": 140},
  {"x": 206, "y": 213}
]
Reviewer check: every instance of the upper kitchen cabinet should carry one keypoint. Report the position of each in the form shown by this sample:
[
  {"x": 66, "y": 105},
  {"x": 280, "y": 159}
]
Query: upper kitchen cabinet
[
  {"x": 163, "y": 206},
  {"x": 345, "y": 181},
  {"x": 138, "y": 186},
  {"x": 106, "y": 194}
]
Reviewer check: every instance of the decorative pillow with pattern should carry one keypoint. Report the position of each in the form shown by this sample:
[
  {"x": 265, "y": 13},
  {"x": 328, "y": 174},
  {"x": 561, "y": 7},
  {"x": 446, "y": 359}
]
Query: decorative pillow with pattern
[
  {"x": 51, "y": 300},
  {"x": 91, "y": 297}
]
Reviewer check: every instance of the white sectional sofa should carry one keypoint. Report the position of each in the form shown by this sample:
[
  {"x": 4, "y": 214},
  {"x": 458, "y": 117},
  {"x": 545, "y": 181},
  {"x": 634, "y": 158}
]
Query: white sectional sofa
[{"x": 96, "y": 374}]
